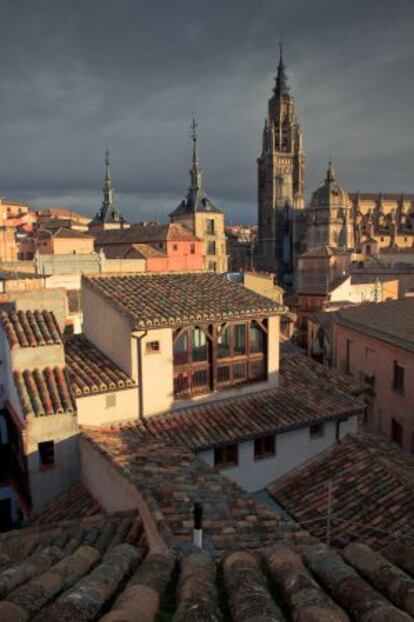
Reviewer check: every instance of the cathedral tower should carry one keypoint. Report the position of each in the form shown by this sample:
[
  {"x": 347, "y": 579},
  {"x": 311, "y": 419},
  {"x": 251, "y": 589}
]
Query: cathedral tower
[
  {"x": 281, "y": 183},
  {"x": 109, "y": 216}
]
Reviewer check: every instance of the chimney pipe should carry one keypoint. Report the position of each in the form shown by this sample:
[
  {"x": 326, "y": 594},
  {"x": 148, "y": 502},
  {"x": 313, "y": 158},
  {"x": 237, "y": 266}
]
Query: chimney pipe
[{"x": 198, "y": 525}]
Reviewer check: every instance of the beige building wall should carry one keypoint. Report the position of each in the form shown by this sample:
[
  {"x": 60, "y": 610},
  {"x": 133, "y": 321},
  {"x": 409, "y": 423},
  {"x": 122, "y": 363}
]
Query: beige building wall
[
  {"x": 97, "y": 409},
  {"x": 109, "y": 330},
  {"x": 219, "y": 259},
  {"x": 47, "y": 483},
  {"x": 41, "y": 356},
  {"x": 263, "y": 284},
  {"x": 157, "y": 371}
]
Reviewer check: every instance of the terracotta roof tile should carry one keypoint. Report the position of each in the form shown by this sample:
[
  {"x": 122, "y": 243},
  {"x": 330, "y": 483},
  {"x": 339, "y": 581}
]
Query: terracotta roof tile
[
  {"x": 391, "y": 321},
  {"x": 31, "y": 328},
  {"x": 44, "y": 391},
  {"x": 308, "y": 393},
  {"x": 372, "y": 491},
  {"x": 90, "y": 371},
  {"x": 77, "y": 502},
  {"x": 151, "y": 300}
]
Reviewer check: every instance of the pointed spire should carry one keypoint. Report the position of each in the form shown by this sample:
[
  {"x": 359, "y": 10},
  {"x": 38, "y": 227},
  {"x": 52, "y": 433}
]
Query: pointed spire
[
  {"x": 195, "y": 173},
  {"x": 330, "y": 173},
  {"x": 108, "y": 212},
  {"x": 281, "y": 87},
  {"x": 107, "y": 188}
]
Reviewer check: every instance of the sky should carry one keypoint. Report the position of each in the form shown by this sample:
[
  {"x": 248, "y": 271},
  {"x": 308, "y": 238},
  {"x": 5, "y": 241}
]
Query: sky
[{"x": 76, "y": 75}]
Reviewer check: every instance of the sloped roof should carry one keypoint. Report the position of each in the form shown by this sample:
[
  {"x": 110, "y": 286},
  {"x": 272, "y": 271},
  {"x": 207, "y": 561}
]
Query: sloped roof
[
  {"x": 90, "y": 371},
  {"x": 372, "y": 491},
  {"x": 44, "y": 391},
  {"x": 131, "y": 251},
  {"x": 30, "y": 329},
  {"x": 102, "y": 570},
  {"x": 77, "y": 502},
  {"x": 391, "y": 321},
  {"x": 136, "y": 234},
  {"x": 385, "y": 196},
  {"x": 150, "y": 300},
  {"x": 65, "y": 232},
  {"x": 308, "y": 393}
]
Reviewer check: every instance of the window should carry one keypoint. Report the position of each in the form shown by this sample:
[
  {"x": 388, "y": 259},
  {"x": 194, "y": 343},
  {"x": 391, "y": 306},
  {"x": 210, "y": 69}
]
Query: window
[
  {"x": 212, "y": 266},
  {"x": 226, "y": 456},
  {"x": 223, "y": 343},
  {"x": 181, "y": 349},
  {"x": 175, "y": 247},
  {"x": 396, "y": 432},
  {"x": 211, "y": 248},
  {"x": 46, "y": 454},
  {"x": 348, "y": 357},
  {"x": 210, "y": 226},
  {"x": 264, "y": 447},
  {"x": 398, "y": 379},
  {"x": 110, "y": 400},
  {"x": 152, "y": 346},
  {"x": 240, "y": 344},
  {"x": 192, "y": 249},
  {"x": 199, "y": 345},
  {"x": 317, "y": 431},
  {"x": 256, "y": 338}
]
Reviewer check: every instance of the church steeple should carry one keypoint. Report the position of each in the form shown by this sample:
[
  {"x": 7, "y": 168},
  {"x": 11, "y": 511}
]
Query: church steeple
[
  {"x": 107, "y": 187},
  {"x": 281, "y": 87},
  {"x": 195, "y": 172},
  {"x": 108, "y": 213}
]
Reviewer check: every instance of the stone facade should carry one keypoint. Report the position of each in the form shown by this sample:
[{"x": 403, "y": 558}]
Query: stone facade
[
  {"x": 281, "y": 184},
  {"x": 368, "y": 223}
]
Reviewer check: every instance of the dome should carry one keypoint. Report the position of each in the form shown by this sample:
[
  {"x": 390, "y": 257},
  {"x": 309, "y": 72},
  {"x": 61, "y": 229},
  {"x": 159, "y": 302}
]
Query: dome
[{"x": 330, "y": 193}]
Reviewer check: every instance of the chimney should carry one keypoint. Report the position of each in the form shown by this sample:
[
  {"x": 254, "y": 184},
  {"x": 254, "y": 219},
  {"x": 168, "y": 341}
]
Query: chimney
[{"x": 198, "y": 525}]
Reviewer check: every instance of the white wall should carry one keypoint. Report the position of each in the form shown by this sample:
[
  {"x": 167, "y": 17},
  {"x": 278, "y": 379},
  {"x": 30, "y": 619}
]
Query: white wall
[
  {"x": 292, "y": 449},
  {"x": 109, "y": 330},
  {"x": 93, "y": 411}
]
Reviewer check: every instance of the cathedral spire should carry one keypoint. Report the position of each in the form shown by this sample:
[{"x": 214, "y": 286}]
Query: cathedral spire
[
  {"x": 195, "y": 173},
  {"x": 281, "y": 87}
]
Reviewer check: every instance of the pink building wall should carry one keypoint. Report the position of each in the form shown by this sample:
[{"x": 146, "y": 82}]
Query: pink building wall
[{"x": 390, "y": 410}]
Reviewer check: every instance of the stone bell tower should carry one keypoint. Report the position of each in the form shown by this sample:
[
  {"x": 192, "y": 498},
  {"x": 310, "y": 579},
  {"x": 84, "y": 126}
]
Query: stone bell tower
[{"x": 281, "y": 184}]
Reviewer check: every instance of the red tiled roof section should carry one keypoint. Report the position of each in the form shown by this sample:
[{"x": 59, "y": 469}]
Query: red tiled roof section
[
  {"x": 304, "y": 397},
  {"x": 44, "y": 392},
  {"x": 136, "y": 234},
  {"x": 65, "y": 232},
  {"x": 30, "y": 329},
  {"x": 151, "y": 300},
  {"x": 77, "y": 502},
  {"x": 90, "y": 371},
  {"x": 372, "y": 492}
]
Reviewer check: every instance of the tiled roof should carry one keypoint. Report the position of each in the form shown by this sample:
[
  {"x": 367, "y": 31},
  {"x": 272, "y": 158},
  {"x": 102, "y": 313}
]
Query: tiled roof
[
  {"x": 31, "y": 328},
  {"x": 372, "y": 492},
  {"x": 172, "y": 479},
  {"x": 101, "y": 569},
  {"x": 90, "y": 371},
  {"x": 44, "y": 391},
  {"x": 77, "y": 502},
  {"x": 391, "y": 321},
  {"x": 131, "y": 251},
  {"x": 308, "y": 393},
  {"x": 136, "y": 234},
  {"x": 65, "y": 232},
  {"x": 151, "y": 300}
]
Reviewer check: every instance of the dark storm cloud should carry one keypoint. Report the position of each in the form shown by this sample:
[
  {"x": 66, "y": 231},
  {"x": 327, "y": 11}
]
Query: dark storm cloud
[{"x": 75, "y": 74}]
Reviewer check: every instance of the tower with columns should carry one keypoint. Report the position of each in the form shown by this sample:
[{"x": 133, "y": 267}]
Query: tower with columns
[{"x": 281, "y": 184}]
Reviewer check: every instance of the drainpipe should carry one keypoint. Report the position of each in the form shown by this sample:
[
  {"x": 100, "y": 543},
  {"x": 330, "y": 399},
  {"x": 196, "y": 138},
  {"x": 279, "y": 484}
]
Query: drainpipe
[{"x": 140, "y": 383}]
